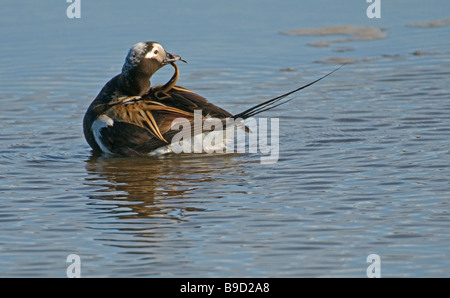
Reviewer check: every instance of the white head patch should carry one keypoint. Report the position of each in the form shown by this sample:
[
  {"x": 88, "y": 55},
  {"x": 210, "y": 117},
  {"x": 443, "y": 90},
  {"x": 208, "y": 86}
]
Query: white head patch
[
  {"x": 156, "y": 52},
  {"x": 141, "y": 51}
]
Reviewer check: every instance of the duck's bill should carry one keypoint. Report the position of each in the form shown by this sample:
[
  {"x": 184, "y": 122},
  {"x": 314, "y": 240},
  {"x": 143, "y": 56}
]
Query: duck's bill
[{"x": 171, "y": 58}]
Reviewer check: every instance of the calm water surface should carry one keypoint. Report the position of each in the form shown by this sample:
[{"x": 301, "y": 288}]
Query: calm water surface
[{"x": 364, "y": 155}]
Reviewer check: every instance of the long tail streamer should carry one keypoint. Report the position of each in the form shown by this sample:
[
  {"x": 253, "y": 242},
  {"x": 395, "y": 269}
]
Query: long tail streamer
[{"x": 277, "y": 101}]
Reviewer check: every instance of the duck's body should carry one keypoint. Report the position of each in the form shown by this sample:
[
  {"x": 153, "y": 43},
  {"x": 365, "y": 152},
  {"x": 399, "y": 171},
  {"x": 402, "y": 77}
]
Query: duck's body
[
  {"x": 136, "y": 125},
  {"x": 130, "y": 118}
]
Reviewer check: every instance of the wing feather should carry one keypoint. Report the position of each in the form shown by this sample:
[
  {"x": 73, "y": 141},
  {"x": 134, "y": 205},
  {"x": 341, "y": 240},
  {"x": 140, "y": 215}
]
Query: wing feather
[{"x": 183, "y": 99}]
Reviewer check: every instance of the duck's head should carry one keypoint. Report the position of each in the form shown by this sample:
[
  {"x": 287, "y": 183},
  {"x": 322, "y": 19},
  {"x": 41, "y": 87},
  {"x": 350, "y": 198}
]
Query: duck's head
[
  {"x": 142, "y": 61},
  {"x": 146, "y": 58}
]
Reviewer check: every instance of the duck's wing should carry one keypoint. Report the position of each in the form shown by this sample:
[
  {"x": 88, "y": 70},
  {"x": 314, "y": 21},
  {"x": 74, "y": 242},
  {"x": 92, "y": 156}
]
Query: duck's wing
[
  {"x": 127, "y": 139},
  {"x": 137, "y": 127},
  {"x": 186, "y": 100}
]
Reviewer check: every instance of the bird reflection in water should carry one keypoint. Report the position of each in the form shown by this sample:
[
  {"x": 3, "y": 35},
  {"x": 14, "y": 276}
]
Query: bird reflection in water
[{"x": 164, "y": 187}]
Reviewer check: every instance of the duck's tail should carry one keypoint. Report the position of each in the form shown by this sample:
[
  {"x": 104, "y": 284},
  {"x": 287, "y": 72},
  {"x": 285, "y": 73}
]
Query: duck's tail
[{"x": 276, "y": 101}]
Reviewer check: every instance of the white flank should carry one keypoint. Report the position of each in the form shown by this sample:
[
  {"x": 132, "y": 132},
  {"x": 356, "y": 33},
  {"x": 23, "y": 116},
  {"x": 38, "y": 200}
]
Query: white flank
[
  {"x": 196, "y": 144},
  {"x": 101, "y": 122}
]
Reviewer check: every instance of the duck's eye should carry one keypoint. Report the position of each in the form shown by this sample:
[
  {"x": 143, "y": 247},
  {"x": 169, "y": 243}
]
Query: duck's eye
[{"x": 152, "y": 54}]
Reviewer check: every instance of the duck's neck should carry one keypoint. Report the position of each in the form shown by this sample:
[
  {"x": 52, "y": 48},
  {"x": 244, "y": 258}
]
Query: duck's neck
[
  {"x": 173, "y": 80},
  {"x": 134, "y": 83}
]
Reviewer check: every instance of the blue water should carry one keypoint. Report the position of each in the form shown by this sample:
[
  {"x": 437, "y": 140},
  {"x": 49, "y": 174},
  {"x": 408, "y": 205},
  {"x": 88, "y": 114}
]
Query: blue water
[{"x": 364, "y": 154}]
